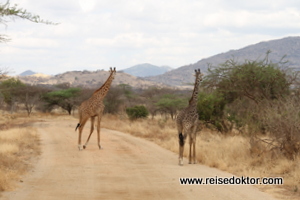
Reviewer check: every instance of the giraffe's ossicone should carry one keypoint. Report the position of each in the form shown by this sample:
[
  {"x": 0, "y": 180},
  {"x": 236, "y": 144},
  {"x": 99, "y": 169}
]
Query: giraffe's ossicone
[{"x": 92, "y": 108}]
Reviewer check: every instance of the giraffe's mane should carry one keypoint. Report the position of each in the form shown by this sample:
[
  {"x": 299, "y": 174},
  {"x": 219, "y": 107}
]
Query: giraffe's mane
[
  {"x": 103, "y": 84},
  {"x": 194, "y": 91}
]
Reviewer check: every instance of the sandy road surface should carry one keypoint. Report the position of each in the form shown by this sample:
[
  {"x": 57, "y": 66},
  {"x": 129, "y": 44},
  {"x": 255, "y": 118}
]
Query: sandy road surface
[{"x": 126, "y": 168}]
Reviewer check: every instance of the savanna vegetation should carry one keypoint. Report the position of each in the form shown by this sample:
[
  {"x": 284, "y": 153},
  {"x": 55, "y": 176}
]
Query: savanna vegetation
[
  {"x": 248, "y": 116},
  {"x": 18, "y": 142}
]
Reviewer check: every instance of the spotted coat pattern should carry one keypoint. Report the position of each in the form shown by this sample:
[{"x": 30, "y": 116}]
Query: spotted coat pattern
[
  {"x": 92, "y": 108},
  {"x": 187, "y": 121}
]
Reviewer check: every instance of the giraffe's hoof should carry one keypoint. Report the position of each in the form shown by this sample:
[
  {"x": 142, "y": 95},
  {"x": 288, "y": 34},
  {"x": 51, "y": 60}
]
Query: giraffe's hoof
[
  {"x": 79, "y": 147},
  {"x": 180, "y": 162},
  {"x": 84, "y": 146},
  {"x": 100, "y": 147}
]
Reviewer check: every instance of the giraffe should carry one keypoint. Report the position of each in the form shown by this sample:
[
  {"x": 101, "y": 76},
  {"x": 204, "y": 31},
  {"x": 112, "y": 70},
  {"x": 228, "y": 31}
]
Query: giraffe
[
  {"x": 93, "y": 107},
  {"x": 187, "y": 121}
]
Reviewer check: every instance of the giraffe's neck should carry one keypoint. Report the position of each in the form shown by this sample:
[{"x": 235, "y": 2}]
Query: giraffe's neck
[
  {"x": 194, "y": 99},
  {"x": 102, "y": 91}
]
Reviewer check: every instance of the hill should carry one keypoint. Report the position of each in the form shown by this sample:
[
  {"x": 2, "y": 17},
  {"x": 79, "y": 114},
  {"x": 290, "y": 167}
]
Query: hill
[
  {"x": 27, "y": 73},
  {"x": 146, "y": 69},
  {"x": 88, "y": 79},
  {"x": 289, "y": 46}
]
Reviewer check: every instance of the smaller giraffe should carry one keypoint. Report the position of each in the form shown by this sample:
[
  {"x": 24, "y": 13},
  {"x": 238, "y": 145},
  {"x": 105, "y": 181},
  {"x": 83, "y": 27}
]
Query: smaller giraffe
[
  {"x": 187, "y": 122},
  {"x": 92, "y": 108}
]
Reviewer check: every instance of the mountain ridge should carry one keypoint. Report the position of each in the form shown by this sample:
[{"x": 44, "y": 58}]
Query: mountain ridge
[
  {"x": 288, "y": 47},
  {"x": 182, "y": 76},
  {"x": 146, "y": 70}
]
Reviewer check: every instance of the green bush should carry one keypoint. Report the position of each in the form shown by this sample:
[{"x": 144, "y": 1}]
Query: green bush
[
  {"x": 137, "y": 112},
  {"x": 210, "y": 109},
  {"x": 256, "y": 80}
]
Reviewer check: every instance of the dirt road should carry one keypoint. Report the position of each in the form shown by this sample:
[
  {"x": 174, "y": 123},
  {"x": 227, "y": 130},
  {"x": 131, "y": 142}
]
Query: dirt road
[{"x": 126, "y": 168}]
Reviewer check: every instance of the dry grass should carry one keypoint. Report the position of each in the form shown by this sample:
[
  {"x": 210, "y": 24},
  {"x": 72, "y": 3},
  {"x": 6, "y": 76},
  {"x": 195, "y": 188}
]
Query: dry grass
[
  {"x": 231, "y": 153},
  {"x": 18, "y": 144}
]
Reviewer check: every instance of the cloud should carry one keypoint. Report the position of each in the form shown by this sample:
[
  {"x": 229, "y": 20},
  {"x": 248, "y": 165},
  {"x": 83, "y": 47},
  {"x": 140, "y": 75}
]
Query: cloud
[{"x": 94, "y": 34}]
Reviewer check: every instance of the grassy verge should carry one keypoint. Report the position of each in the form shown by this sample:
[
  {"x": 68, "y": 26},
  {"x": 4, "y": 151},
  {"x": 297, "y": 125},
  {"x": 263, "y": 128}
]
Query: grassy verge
[
  {"x": 232, "y": 153},
  {"x": 18, "y": 144}
]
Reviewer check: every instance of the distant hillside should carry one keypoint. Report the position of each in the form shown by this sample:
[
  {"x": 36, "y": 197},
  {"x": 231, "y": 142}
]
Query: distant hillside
[
  {"x": 289, "y": 46},
  {"x": 27, "y": 73},
  {"x": 144, "y": 70},
  {"x": 89, "y": 79}
]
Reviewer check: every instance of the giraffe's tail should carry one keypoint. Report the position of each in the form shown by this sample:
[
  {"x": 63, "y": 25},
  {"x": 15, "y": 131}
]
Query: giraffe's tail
[{"x": 77, "y": 126}]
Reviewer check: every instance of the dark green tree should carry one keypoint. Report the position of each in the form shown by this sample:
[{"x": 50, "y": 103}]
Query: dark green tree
[
  {"x": 137, "y": 112},
  {"x": 171, "y": 103},
  {"x": 256, "y": 80},
  {"x": 151, "y": 96},
  {"x": 11, "y": 92},
  {"x": 67, "y": 99},
  {"x": 210, "y": 108},
  {"x": 113, "y": 100},
  {"x": 245, "y": 86}
]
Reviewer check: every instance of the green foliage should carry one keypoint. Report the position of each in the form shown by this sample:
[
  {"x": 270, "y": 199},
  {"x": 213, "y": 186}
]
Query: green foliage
[
  {"x": 10, "y": 89},
  {"x": 256, "y": 80},
  {"x": 66, "y": 99},
  {"x": 113, "y": 100},
  {"x": 137, "y": 112},
  {"x": 243, "y": 87},
  {"x": 171, "y": 103},
  {"x": 210, "y": 106},
  {"x": 127, "y": 91},
  {"x": 64, "y": 94}
]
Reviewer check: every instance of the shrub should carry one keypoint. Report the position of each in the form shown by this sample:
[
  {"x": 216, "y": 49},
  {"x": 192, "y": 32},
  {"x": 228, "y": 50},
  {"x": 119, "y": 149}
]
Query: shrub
[
  {"x": 256, "y": 80},
  {"x": 281, "y": 119},
  {"x": 137, "y": 112},
  {"x": 210, "y": 108}
]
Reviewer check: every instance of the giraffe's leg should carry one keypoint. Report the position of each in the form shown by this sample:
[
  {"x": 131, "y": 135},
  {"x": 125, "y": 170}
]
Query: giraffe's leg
[
  {"x": 194, "y": 142},
  {"x": 190, "y": 152},
  {"x": 82, "y": 123},
  {"x": 181, "y": 143},
  {"x": 194, "y": 151},
  {"x": 92, "y": 129},
  {"x": 98, "y": 130},
  {"x": 181, "y": 147}
]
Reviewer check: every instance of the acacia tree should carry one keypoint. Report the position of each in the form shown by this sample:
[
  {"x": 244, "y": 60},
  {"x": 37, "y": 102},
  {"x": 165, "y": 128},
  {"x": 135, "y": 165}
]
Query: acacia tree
[
  {"x": 170, "y": 104},
  {"x": 11, "y": 91},
  {"x": 210, "y": 108},
  {"x": 245, "y": 86},
  {"x": 31, "y": 95},
  {"x": 256, "y": 80},
  {"x": 151, "y": 96},
  {"x": 66, "y": 99}
]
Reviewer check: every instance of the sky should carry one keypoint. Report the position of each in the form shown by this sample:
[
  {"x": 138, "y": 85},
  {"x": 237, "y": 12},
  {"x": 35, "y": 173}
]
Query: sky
[{"x": 98, "y": 34}]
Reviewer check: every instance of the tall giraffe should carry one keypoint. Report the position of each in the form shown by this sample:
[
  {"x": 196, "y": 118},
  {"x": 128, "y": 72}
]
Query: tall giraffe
[
  {"x": 187, "y": 122},
  {"x": 93, "y": 107}
]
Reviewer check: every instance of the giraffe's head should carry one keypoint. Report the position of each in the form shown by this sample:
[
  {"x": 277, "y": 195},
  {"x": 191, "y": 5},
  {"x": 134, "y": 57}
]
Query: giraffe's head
[
  {"x": 198, "y": 75},
  {"x": 112, "y": 71}
]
